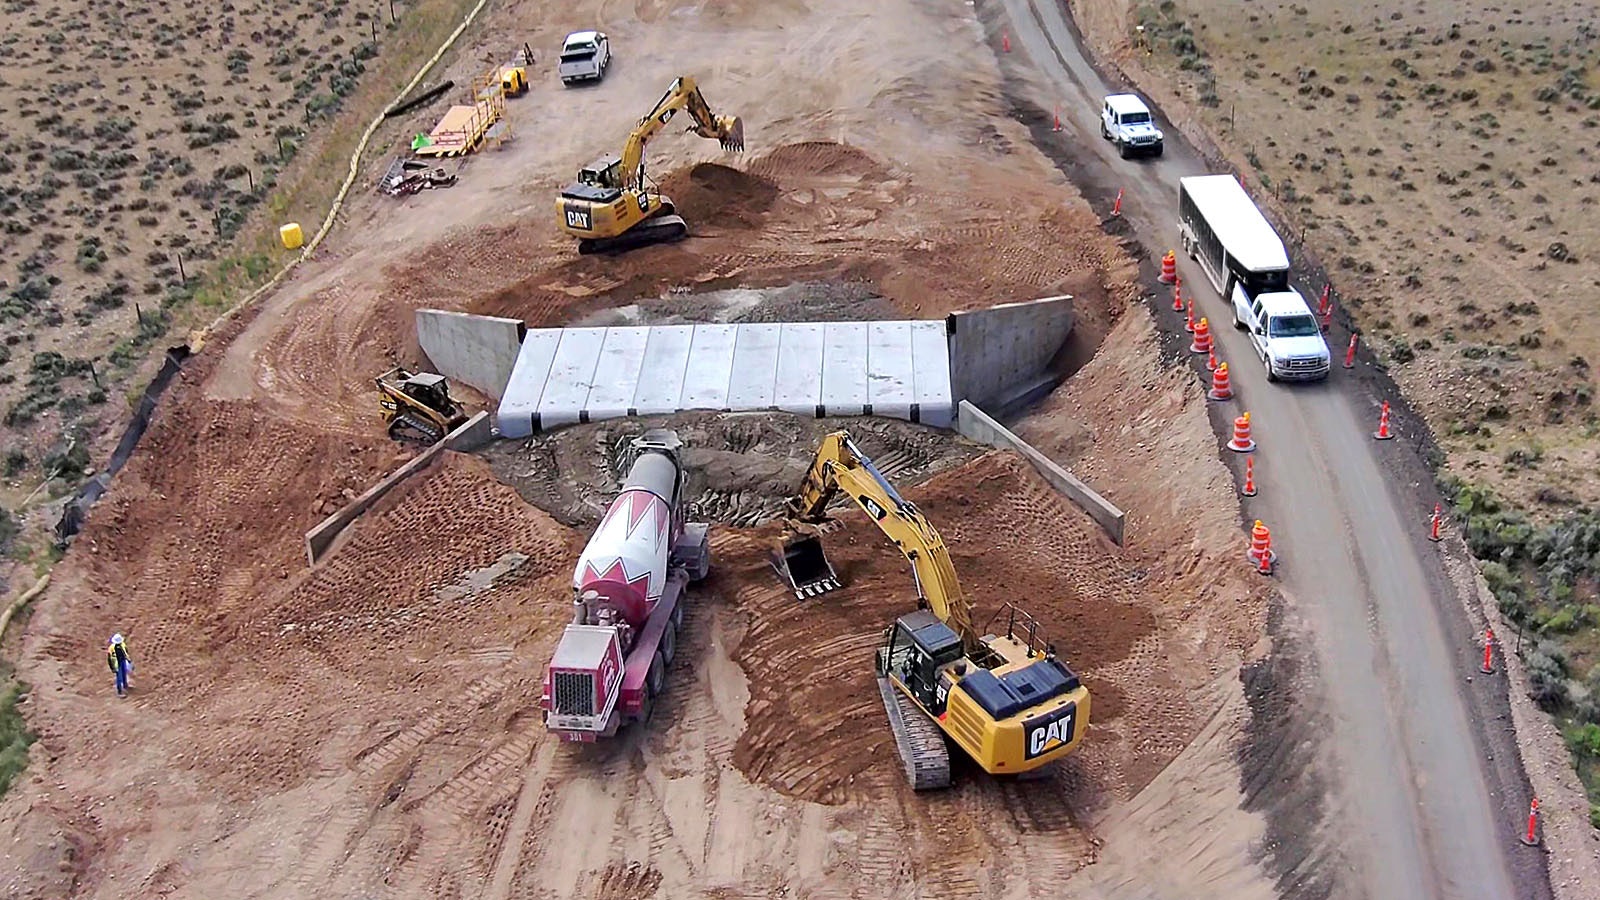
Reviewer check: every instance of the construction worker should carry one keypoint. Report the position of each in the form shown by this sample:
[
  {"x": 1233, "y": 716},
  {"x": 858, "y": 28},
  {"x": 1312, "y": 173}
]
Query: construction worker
[{"x": 120, "y": 662}]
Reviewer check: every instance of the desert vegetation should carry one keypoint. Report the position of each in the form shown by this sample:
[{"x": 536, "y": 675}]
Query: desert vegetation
[
  {"x": 153, "y": 150},
  {"x": 1441, "y": 163}
]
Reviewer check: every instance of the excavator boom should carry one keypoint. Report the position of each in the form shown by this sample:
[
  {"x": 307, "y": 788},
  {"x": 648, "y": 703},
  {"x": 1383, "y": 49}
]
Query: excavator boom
[{"x": 841, "y": 466}]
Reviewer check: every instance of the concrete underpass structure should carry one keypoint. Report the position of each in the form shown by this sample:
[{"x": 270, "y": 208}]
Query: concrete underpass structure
[{"x": 919, "y": 370}]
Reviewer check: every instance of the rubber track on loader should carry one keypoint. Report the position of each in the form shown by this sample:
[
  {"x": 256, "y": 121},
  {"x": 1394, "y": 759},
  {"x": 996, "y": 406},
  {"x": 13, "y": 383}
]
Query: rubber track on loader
[
  {"x": 420, "y": 431},
  {"x": 919, "y": 741}
]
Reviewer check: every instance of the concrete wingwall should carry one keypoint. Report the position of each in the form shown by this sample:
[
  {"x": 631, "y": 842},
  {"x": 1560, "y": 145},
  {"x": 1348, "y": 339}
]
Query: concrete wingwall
[
  {"x": 471, "y": 435},
  {"x": 474, "y": 350},
  {"x": 974, "y": 423},
  {"x": 1002, "y": 353}
]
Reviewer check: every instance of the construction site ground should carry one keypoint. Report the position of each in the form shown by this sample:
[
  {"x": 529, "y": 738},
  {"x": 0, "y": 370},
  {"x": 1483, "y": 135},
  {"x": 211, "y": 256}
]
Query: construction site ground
[{"x": 369, "y": 727}]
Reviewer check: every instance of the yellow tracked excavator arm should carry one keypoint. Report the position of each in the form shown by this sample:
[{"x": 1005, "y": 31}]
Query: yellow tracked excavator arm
[
  {"x": 839, "y": 465},
  {"x": 610, "y": 207},
  {"x": 1006, "y": 700}
]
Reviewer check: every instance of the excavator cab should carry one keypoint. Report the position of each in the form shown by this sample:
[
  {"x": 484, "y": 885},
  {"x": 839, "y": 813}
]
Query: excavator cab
[
  {"x": 800, "y": 562},
  {"x": 605, "y": 172}
]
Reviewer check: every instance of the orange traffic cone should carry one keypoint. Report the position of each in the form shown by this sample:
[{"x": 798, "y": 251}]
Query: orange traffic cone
[
  {"x": 1202, "y": 337},
  {"x": 1242, "y": 442},
  {"x": 1249, "y": 477},
  {"x": 1177, "y": 298},
  {"x": 1261, "y": 552},
  {"x": 1211, "y": 360},
  {"x": 1220, "y": 388},
  {"x": 1169, "y": 268},
  {"x": 1188, "y": 319},
  {"x": 1116, "y": 208},
  {"x": 1005, "y": 41},
  {"x": 1057, "y": 125},
  {"x": 1383, "y": 433}
]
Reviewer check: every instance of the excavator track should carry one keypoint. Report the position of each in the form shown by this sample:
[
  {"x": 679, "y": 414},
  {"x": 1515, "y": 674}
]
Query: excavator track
[
  {"x": 659, "y": 229},
  {"x": 407, "y": 427},
  {"x": 918, "y": 740}
]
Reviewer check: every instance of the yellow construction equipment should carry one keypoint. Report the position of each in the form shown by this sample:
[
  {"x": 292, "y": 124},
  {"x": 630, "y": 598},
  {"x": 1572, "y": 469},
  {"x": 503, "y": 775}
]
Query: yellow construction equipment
[
  {"x": 1007, "y": 701},
  {"x": 611, "y": 208},
  {"x": 418, "y": 406},
  {"x": 514, "y": 74}
]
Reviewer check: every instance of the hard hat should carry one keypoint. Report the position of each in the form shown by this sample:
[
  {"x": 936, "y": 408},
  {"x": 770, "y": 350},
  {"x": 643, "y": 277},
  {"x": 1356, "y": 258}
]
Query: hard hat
[{"x": 116, "y": 638}]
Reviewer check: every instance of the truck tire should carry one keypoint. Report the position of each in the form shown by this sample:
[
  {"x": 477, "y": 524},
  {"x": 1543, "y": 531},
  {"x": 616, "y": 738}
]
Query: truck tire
[
  {"x": 656, "y": 678},
  {"x": 1237, "y": 324},
  {"x": 1103, "y": 132},
  {"x": 1159, "y": 148},
  {"x": 677, "y": 613},
  {"x": 1122, "y": 150},
  {"x": 669, "y": 644},
  {"x": 1267, "y": 361}
]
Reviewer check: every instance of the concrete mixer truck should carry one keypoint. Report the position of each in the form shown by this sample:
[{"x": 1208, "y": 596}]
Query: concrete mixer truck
[{"x": 627, "y": 600}]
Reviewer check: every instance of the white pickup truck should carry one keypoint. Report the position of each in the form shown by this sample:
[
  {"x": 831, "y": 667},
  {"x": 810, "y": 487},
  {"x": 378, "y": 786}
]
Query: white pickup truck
[
  {"x": 584, "y": 57},
  {"x": 1284, "y": 332}
]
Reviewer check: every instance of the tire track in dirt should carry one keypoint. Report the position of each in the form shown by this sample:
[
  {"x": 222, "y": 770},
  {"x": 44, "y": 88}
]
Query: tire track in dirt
[{"x": 522, "y": 816}]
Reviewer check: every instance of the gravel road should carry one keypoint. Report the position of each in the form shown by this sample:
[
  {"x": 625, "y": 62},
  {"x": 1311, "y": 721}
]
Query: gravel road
[{"x": 1420, "y": 807}]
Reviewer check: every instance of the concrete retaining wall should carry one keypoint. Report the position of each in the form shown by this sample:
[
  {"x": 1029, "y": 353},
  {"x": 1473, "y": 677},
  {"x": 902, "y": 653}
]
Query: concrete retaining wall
[
  {"x": 475, "y": 433},
  {"x": 977, "y": 425},
  {"x": 999, "y": 354},
  {"x": 473, "y": 350}
]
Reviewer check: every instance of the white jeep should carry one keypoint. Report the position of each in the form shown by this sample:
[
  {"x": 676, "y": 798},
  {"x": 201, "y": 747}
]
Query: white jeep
[
  {"x": 1126, "y": 121},
  {"x": 1284, "y": 333}
]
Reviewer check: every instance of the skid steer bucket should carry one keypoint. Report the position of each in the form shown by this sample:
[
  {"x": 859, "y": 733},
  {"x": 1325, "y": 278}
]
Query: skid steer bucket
[{"x": 801, "y": 563}]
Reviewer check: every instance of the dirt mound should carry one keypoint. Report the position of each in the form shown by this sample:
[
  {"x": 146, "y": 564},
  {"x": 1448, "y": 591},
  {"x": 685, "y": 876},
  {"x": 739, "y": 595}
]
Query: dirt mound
[
  {"x": 1012, "y": 538},
  {"x": 716, "y": 196},
  {"x": 815, "y": 158}
]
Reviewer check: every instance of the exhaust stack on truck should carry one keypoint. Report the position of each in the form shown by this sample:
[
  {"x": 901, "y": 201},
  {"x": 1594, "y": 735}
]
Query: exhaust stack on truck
[{"x": 627, "y": 600}]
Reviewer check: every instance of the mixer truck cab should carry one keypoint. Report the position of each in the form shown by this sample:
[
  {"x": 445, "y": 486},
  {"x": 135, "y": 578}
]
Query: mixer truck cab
[{"x": 628, "y": 595}]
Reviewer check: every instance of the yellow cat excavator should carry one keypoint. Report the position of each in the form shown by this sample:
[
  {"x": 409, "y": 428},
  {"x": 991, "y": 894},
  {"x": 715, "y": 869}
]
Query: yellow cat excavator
[
  {"x": 1008, "y": 702},
  {"x": 610, "y": 208}
]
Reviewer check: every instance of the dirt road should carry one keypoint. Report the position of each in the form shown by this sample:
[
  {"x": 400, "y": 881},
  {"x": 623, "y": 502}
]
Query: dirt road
[{"x": 1427, "y": 784}]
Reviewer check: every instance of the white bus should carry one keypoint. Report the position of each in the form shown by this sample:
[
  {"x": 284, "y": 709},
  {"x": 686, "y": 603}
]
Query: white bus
[
  {"x": 1224, "y": 231},
  {"x": 1246, "y": 262}
]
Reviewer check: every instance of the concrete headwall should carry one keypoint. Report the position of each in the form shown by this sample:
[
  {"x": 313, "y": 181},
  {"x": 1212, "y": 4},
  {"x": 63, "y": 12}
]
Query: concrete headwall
[
  {"x": 974, "y": 423},
  {"x": 1000, "y": 354},
  {"x": 473, "y": 350},
  {"x": 470, "y": 436}
]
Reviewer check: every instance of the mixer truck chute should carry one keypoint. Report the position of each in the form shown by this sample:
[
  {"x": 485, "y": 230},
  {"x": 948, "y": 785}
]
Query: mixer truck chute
[{"x": 627, "y": 597}]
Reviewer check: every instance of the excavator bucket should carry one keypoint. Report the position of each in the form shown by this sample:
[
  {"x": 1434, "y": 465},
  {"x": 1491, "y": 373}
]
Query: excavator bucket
[
  {"x": 801, "y": 562},
  {"x": 733, "y": 134}
]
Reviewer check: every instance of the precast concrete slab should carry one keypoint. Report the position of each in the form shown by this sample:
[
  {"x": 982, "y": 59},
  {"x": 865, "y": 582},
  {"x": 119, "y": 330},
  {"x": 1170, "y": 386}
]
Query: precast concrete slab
[{"x": 564, "y": 376}]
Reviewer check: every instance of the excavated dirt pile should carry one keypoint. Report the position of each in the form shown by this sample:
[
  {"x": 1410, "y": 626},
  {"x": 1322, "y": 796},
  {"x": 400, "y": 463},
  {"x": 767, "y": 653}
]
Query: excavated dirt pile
[{"x": 721, "y": 195}]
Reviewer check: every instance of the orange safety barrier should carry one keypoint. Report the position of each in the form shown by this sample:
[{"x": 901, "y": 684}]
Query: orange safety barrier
[
  {"x": 1202, "y": 337},
  {"x": 1220, "y": 388},
  {"x": 1169, "y": 268},
  {"x": 1242, "y": 442},
  {"x": 1261, "y": 552}
]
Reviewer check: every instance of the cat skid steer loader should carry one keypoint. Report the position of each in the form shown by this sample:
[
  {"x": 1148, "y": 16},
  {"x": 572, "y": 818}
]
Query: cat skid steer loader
[{"x": 418, "y": 407}]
